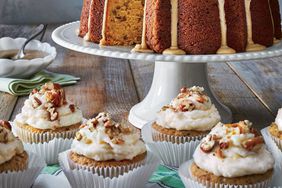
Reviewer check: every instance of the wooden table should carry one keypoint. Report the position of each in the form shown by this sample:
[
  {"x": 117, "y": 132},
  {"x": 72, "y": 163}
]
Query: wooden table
[{"x": 252, "y": 90}]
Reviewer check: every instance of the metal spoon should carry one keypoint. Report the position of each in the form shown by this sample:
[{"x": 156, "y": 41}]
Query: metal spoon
[{"x": 36, "y": 32}]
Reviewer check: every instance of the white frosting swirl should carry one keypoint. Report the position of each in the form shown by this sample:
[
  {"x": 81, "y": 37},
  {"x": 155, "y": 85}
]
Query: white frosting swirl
[
  {"x": 10, "y": 146},
  {"x": 190, "y": 110},
  {"x": 38, "y": 116},
  {"x": 101, "y": 142},
  {"x": 237, "y": 161},
  {"x": 278, "y": 119}
]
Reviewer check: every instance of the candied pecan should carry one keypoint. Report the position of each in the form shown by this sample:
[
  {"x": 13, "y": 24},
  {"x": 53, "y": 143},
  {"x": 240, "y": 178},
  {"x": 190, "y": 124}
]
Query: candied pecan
[
  {"x": 108, "y": 124},
  {"x": 78, "y": 136},
  {"x": 36, "y": 102},
  {"x": 53, "y": 114},
  {"x": 201, "y": 99},
  {"x": 118, "y": 141},
  {"x": 223, "y": 145},
  {"x": 219, "y": 153},
  {"x": 3, "y": 136},
  {"x": 207, "y": 146},
  {"x": 183, "y": 108},
  {"x": 5, "y": 124},
  {"x": 253, "y": 143},
  {"x": 94, "y": 122},
  {"x": 72, "y": 108},
  {"x": 184, "y": 90},
  {"x": 34, "y": 91}
]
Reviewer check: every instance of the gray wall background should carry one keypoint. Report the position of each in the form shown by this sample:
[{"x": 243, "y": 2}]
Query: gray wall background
[{"x": 42, "y": 11}]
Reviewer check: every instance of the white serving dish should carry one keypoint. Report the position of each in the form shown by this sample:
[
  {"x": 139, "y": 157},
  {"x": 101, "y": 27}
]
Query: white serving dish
[{"x": 24, "y": 68}]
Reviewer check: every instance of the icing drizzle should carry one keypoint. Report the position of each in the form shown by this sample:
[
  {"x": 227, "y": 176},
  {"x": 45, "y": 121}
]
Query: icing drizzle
[
  {"x": 143, "y": 46},
  {"x": 224, "y": 49},
  {"x": 251, "y": 46},
  {"x": 174, "y": 50}
]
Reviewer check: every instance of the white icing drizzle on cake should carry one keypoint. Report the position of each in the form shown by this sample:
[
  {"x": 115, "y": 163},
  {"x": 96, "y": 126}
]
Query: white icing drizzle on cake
[
  {"x": 251, "y": 46},
  {"x": 224, "y": 49},
  {"x": 87, "y": 35},
  {"x": 103, "y": 40},
  {"x": 174, "y": 50},
  {"x": 143, "y": 46},
  {"x": 275, "y": 40}
]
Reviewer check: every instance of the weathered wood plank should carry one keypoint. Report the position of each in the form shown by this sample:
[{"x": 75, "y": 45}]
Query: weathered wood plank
[
  {"x": 264, "y": 78},
  {"x": 7, "y": 102},
  {"x": 106, "y": 84},
  {"x": 225, "y": 84}
]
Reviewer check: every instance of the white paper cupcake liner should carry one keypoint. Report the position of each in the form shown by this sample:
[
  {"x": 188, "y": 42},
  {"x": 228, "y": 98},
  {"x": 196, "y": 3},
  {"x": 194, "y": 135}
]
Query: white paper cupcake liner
[
  {"x": 134, "y": 178},
  {"x": 108, "y": 171},
  {"x": 171, "y": 154},
  {"x": 273, "y": 147},
  {"x": 49, "y": 151},
  {"x": 23, "y": 179},
  {"x": 32, "y": 137},
  {"x": 174, "y": 139},
  {"x": 190, "y": 182}
]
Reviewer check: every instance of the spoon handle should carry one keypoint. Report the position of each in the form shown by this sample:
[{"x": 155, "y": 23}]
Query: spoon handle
[{"x": 36, "y": 32}]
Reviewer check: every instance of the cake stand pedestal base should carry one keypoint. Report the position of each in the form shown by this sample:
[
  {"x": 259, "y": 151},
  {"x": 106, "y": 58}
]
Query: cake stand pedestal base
[{"x": 169, "y": 78}]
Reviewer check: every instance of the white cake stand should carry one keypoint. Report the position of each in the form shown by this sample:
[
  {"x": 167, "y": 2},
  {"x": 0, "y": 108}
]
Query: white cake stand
[{"x": 171, "y": 72}]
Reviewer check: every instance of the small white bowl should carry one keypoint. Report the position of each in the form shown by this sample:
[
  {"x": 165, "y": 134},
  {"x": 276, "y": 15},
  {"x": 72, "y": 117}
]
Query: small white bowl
[{"x": 24, "y": 68}]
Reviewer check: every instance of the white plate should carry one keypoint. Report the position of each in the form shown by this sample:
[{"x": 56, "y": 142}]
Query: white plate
[
  {"x": 66, "y": 36},
  {"x": 24, "y": 68}
]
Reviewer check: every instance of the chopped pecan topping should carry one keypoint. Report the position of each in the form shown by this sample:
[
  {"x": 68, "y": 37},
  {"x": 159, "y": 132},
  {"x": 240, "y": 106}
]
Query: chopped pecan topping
[
  {"x": 224, "y": 145},
  {"x": 108, "y": 124},
  {"x": 53, "y": 114},
  {"x": 94, "y": 122},
  {"x": 5, "y": 124},
  {"x": 88, "y": 141},
  {"x": 72, "y": 108},
  {"x": 118, "y": 141},
  {"x": 183, "y": 108},
  {"x": 207, "y": 146},
  {"x": 253, "y": 143},
  {"x": 82, "y": 126},
  {"x": 36, "y": 102},
  {"x": 78, "y": 136},
  {"x": 219, "y": 153},
  {"x": 34, "y": 91},
  {"x": 184, "y": 90},
  {"x": 54, "y": 97},
  {"x": 201, "y": 99},
  {"x": 3, "y": 136}
]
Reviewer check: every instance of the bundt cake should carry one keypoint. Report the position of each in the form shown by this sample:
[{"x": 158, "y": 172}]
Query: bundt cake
[{"x": 183, "y": 26}]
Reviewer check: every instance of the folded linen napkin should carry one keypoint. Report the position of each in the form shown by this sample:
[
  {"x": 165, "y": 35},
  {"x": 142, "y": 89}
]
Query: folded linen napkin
[{"x": 20, "y": 87}]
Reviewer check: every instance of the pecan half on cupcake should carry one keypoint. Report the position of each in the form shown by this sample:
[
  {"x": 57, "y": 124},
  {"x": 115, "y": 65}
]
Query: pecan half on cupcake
[{"x": 190, "y": 116}]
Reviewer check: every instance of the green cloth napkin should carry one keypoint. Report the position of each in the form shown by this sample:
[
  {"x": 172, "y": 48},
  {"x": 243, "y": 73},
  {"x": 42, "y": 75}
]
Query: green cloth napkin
[
  {"x": 22, "y": 87},
  {"x": 163, "y": 176}
]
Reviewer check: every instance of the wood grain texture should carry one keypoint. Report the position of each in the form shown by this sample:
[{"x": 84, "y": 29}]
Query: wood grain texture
[
  {"x": 264, "y": 78},
  {"x": 225, "y": 84},
  {"x": 106, "y": 84},
  {"x": 7, "y": 102}
]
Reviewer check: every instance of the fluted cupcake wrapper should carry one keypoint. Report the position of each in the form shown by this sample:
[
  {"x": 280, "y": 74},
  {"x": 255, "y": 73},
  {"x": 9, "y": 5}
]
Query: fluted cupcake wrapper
[
  {"x": 49, "y": 151},
  {"x": 273, "y": 146},
  {"x": 136, "y": 177},
  {"x": 108, "y": 171},
  {"x": 33, "y": 137},
  {"x": 174, "y": 139},
  {"x": 23, "y": 179},
  {"x": 189, "y": 181},
  {"x": 171, "y": 154}
]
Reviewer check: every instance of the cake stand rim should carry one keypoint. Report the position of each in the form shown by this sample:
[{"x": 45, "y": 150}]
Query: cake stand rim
[{"x": 125, "y": 52}]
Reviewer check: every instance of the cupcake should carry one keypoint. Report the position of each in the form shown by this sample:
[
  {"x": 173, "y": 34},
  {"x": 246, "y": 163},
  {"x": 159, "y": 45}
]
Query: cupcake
[
  {"x": 46, "y": 115},
  {"x": 18, "y": 168},
  {"x": 232, "y": 155},
  {"x": 190, "y": 116},
  {"x": 12, "y": 154},
  {"x": 107, "y": 148},
  {"x": 275, "y": 129}
]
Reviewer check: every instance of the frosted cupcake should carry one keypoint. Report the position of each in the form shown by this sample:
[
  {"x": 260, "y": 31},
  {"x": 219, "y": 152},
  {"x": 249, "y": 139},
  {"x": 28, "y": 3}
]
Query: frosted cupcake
[
  {"x": 18, "y": 168},
  {"x": 12, "y": 154},
  {"x": 46, "y": 115},
  {"x": 190, "y": 116},
  {"x": 233, "y": 154},
  {"x": 107, "y": 148},
  {"x": 275, "y": 129}
]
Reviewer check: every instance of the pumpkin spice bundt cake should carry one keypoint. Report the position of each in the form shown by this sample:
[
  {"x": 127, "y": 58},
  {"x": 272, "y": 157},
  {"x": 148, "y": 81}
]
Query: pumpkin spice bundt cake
[{"x": 183, "y": 26}]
